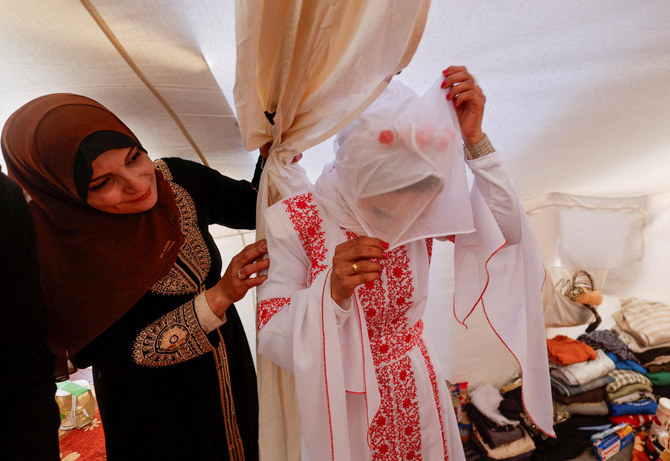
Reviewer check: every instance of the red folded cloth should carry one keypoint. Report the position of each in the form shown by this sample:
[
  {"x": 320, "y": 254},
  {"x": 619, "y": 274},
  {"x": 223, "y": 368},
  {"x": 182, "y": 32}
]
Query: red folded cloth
[{"x": 634, "y": 421}]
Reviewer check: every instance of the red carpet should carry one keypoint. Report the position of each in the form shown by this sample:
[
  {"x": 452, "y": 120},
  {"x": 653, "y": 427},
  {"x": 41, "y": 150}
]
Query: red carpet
[{"x": 85, "y": 444}]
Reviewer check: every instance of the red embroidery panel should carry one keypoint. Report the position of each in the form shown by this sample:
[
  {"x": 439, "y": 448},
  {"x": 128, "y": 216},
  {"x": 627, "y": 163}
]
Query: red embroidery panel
[
  {"x": 429, "y": 247},
  {"x": 268, "y": 308},
  {"x": 395, "y": 431},
  {"x": 304, "y": 215},
  {"x": 386, "y": 300},
  {"x": 390, "y": 348},
  {"x": 399, "y": 287}
]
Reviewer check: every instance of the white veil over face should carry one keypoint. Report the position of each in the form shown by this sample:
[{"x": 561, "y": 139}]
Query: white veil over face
[{"x": 398, "y": 167}]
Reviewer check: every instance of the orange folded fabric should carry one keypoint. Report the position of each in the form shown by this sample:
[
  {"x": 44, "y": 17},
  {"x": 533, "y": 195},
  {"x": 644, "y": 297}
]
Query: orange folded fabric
[{"x": 565, "y": 351}]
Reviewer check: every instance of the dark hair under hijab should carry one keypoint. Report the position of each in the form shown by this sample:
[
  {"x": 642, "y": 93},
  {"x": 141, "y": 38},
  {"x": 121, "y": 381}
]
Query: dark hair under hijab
[{"x": 90, "y": 148}]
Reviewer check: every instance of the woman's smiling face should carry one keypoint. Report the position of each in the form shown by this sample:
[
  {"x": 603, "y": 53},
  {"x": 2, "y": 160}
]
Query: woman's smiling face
[{"x": 123, "y": 182}]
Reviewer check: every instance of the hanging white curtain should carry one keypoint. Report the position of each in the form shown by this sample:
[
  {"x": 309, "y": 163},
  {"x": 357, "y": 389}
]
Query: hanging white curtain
[{"x": 304, "y": 70}]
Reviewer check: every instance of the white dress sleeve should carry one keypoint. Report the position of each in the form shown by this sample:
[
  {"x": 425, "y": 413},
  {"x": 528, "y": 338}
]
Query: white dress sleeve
[
  {"x": 499, "y": 266},
  {"x": 499, "y": 194}
]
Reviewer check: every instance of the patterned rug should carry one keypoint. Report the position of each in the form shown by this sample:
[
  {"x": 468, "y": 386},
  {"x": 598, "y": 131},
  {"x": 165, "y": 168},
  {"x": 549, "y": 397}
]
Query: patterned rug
[{"x": 85, "y": 444}]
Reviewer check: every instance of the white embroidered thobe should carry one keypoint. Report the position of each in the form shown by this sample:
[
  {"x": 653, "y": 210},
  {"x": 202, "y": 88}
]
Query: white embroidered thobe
[{"x": 366, "y": 382}]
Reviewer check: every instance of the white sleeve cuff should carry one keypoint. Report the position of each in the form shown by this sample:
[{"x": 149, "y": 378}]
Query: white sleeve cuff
[
  {"x": 343, "y": 311},
  {"x": 499, "y": 193},
  {"x": 208, "y": 320}
]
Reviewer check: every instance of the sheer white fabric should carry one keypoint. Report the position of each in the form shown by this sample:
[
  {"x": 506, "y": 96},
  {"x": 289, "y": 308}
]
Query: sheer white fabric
[{"x": 397, "y": 168}]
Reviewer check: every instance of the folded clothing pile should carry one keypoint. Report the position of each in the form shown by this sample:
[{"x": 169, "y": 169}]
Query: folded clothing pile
[
  {"x": 497, "y": 436},
  {"x": 657, "y": 361},
  {"x": 579, "y": 375},
  {"x": 631, "y": 393},
  {"x": 646, "y": 322},
  {"x": 644, "y": 326}
]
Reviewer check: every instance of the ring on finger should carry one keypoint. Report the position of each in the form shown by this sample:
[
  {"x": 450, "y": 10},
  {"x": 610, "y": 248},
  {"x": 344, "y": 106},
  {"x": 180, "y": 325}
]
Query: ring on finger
[
  {"x": 240, "y": 275},
  {"x": 354, "y": 266}
]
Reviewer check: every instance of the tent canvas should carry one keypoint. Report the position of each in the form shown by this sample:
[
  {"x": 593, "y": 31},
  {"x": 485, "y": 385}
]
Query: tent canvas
[{"x": 577, "y": 93}]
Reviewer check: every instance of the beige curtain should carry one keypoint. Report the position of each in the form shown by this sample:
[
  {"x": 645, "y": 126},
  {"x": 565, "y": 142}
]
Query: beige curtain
[{"x": 304, "y": 70}]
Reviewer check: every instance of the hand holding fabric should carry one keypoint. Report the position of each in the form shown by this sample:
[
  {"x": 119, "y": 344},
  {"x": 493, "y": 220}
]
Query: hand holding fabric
[
  {"x": 265, "y": 152},
  {"x": 468, "y": 100},
  {"x": 237, "y": 280},
  {"x": 355, "y": 262}
]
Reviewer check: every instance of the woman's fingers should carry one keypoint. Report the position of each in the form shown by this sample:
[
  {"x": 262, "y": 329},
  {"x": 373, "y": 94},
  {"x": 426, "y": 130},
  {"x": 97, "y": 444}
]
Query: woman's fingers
[
  {"x": 250, "y": 269},
  {"x": 356, "y": 262},
  {"x": 362, "y": 266},
  {"x": 360, "y": 248},
  {"x": 265, "y": 149},
  {"x": 252, "y": 282},
  {"x": 454, "y": 75},
  {"x": 251, "y": 252},
  {"x": 469, "y": 102},
  {"x": 247, "y": 263},
  {"x": 458, "y": 80},
  {"x": 237, "y": 279},
  {"x": 468, "y": 96}
]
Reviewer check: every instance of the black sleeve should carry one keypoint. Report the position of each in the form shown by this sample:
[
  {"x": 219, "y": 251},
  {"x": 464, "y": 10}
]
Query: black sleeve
[
  {"x": 229, "y": 202},
  {"x": 27, "y": 387},
  {"x": 260, "y": 163}
]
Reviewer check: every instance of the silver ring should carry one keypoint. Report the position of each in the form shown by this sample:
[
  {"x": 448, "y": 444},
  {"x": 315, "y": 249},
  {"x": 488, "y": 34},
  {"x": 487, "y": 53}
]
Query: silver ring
[{"x": 240, "y": 276}]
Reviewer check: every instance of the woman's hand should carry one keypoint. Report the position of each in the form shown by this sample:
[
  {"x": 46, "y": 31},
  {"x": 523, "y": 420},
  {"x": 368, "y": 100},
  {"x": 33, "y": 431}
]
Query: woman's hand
[
  {"x": 237, "y": 280},
  {"x": 265, "y": 152},
  {"x": 355, "y": 262},
  {"x": 468, "y": 101}
]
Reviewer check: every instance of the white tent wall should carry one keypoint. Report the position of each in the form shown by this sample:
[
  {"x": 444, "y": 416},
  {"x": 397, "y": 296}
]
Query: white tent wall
[
  {"x": 577, "y": 91},
  {"x": 57, "y": 46}
]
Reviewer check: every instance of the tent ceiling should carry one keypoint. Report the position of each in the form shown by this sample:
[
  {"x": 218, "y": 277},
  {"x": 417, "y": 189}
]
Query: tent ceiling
[{"x": 578, "y": 92}]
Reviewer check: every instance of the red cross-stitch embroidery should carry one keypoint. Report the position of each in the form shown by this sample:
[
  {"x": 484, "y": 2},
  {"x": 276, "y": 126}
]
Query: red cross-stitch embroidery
[
  {"x": 395, "y": 431},
  {"x": 306, "y": 221},
  {"x": 429, "y": 247},
  {"x": 268, "y": 308},
  {"x": 436, "y": 394}
]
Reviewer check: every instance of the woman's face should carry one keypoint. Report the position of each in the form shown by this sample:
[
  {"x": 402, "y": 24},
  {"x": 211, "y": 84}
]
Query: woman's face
[
  {"x": 123, "y": 182},
  {"x": 401, "y": 204}
]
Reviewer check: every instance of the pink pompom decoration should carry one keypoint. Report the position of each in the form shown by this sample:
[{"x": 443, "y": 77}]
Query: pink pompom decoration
[
  {"x": 386, "y": 137},
  {"x": 424, "y": 136},
  {"x": 442, "y": 143}
]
